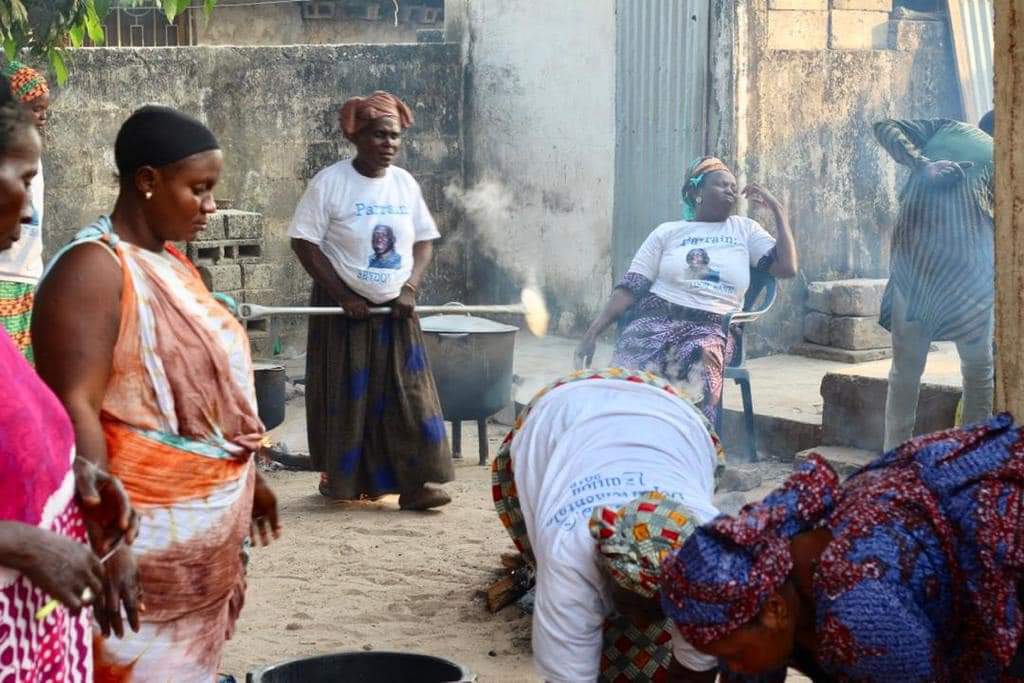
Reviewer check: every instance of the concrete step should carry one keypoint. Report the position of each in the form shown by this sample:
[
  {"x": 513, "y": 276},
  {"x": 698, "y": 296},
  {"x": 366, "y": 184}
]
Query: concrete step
[
  {"x": 854, "y": 410},
  {"x": 844, "y": 460},
  {"x": 820, "y": 352},
  {"x": 777, "y": 437}
]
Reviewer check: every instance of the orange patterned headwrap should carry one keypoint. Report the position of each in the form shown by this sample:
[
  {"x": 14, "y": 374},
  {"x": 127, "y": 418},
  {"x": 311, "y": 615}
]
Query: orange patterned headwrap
[
  {"x": 26, "y": 83},
  {"x": 357, "y": 112},
  {"x": 695, "y": 175}
]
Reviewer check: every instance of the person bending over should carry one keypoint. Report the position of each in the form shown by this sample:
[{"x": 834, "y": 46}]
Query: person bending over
[{"x": 618, "y": 460}]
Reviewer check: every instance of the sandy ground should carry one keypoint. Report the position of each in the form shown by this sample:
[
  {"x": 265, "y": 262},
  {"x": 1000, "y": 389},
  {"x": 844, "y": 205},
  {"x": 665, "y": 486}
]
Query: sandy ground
[
  {"x": 352, "y": 576},
  {"x": 361, "y": 576}
]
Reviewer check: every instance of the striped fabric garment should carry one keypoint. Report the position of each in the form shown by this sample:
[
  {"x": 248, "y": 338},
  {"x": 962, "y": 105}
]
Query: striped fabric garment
[
  {"x": 16, "y": 314},
  {"x": 942, "y": 245},
  {"x": 181, "y": 425}
]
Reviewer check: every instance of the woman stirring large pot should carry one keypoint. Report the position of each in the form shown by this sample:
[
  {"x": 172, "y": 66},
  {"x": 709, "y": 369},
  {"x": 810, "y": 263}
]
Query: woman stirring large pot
[
  {"x": 158, "y": 380},
  {"x": 364, "y": 234}
]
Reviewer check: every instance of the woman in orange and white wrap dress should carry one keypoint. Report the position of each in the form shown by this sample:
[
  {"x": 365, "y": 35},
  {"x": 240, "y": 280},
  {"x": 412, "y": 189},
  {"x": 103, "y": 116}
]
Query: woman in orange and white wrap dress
[{"x": 157, "y": 378}]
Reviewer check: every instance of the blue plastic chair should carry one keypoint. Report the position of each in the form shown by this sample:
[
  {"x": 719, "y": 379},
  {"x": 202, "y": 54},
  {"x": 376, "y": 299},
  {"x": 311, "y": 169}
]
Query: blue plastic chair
[
  {"x": 759, "y": 298},
  {"x": 754, "y": 306}
]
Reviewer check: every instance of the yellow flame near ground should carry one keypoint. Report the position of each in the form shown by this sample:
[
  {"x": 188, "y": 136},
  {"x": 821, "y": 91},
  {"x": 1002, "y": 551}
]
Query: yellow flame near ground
[{"x": 535, "y": 311}]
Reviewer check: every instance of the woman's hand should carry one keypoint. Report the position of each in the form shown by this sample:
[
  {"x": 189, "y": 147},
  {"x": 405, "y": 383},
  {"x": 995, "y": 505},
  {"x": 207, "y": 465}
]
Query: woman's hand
[
  {"x": 943, "y": 173},
  {"x": 584, "y": 355},
  {"x": 108, "y": 512},
  {"x": 356, "y": 307},
  {"x": 762, "y": 198},
  {"x": 264, "y": 512},
  {"x": 405, "y": 305},
  {"x": 121, "y": 587},
  {"x": 61, "y": 567}
]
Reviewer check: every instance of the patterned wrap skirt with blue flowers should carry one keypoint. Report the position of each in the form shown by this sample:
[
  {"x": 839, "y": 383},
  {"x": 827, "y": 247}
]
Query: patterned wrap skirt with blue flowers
[{"x": 372, "y": 412}]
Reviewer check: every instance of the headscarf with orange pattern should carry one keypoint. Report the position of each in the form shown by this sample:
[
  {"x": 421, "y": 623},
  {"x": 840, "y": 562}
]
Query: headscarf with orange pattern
[
  {"x": 634, "y": 539},
  {"x": 359, "y": 112},
  {"x": 698, "y": 171},
  {"x": 26, "y": 83}
]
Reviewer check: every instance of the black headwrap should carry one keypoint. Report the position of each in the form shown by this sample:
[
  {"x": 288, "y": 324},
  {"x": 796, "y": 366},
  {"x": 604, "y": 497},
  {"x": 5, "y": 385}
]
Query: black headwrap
[{"x": 156, "y": 136}]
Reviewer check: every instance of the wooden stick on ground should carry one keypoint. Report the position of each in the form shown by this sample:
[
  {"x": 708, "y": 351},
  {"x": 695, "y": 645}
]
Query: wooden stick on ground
[{"x": 517, "y": 581}]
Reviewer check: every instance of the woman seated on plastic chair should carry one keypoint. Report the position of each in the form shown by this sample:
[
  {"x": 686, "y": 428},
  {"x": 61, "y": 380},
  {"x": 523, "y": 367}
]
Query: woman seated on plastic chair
[{"x": 687, "y": 276}]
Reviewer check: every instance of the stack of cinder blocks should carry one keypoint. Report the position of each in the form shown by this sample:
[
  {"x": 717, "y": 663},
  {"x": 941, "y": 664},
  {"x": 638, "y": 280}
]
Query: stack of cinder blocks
[
  {"x": 842, "y": 25},
  {"x": 229, "y": 255},
  {"x": 841, "y": 322}
]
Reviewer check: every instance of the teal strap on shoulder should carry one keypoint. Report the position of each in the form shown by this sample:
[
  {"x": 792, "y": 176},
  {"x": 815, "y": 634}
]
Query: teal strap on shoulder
[
  {"x": 229, "y": 302},
  {"x": 101, "y": 230}
]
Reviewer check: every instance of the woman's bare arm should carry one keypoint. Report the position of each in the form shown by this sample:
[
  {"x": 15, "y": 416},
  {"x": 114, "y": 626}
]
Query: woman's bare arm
[
  {"x": 75, "y": 324},
  {"x": 320, "y": 269}
]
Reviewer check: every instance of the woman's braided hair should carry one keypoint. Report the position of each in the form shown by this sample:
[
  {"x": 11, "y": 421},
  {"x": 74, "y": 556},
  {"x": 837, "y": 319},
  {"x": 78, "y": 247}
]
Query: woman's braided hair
[{"x": 13, "y": 116}]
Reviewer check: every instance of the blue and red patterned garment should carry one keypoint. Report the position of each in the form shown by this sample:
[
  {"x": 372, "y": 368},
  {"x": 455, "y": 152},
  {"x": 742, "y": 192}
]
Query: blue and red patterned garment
[{"x": 920, "y": 580}]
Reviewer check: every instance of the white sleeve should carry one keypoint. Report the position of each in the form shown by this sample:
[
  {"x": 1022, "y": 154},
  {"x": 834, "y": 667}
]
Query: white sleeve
[
  {"x": 568, "y": 617},
  {"x": 422, "y": 221},
  {"x": 312, "y": 217},
  {"x": 687, "y": 654},
  {"x": 647, "y": 260},
  {"x": 759, "y": 241}
]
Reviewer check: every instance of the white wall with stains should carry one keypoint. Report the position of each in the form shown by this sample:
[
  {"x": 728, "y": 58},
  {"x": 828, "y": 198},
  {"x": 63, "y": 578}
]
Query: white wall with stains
[{"x": 540, "y": 145}]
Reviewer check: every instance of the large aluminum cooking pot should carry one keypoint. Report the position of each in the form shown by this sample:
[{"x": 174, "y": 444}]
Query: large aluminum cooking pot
[{"x": 472, "y": 362}]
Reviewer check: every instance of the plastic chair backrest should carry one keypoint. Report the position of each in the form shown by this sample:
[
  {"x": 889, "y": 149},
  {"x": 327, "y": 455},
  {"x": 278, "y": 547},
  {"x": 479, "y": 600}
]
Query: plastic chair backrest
[{"x": 761, "y": 281}]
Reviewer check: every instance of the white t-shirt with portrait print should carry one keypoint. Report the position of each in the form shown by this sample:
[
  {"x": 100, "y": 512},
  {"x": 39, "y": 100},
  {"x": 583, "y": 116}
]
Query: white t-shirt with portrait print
[
  {"x": 703, "y": 265},
  {"x": 23, "y": 262},
  {"x": 366, "y": 227}
]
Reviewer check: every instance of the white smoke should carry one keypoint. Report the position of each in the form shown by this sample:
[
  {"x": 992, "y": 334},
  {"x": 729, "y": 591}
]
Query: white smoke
[{"x": 489, "y": 208}]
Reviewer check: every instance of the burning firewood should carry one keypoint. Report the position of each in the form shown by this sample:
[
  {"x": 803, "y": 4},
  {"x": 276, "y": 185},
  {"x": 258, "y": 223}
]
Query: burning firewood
[{"x": 518, "y": 578}]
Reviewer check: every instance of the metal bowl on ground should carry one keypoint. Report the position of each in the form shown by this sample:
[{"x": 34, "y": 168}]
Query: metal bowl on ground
[
  {"x": 364, "y": 667},
  {"x": 270, "y": 392},
  {"x": 471, "y": 359}
]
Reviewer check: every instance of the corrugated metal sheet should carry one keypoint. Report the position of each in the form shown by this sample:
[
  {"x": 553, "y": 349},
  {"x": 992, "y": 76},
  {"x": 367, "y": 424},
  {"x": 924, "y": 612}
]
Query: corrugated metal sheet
[
  {"x": 971, "y": 24},
  {"x": 661, "y": 96}
]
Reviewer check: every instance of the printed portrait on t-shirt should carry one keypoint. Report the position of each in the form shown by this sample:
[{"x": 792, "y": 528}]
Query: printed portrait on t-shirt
[
  {"x": 698, "y": 266},
  {"x": 384, "y": 254}
]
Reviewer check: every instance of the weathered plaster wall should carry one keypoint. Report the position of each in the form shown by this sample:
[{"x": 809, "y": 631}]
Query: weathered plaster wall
[
  {"x": 283, "y": 24},
  {"x": 805, "y": 133},
  {"x": 540, "y": 125},
  {"x": 796, "y": 85},
  {"x": 1009, "y": 202},
  {"x": 274, "y": 111}
]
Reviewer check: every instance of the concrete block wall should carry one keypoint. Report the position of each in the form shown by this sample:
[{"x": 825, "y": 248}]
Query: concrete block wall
[
  {"x": 803, "y": 119},
  {"x": 843, "y": 314},
  {"x": 274, "y": 110},
  {"x": 230, "y": 257},
  {"x": 845, "y": 25},
  {"x": 857, "y": 29}
]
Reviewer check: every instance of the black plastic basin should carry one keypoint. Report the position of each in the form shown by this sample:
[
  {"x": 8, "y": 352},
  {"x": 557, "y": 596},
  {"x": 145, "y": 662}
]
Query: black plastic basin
[{"x": 364, "y": 667}]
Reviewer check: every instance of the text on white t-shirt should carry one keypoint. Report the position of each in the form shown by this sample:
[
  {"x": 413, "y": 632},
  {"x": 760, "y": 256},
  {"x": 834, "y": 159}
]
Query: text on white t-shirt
[
  {"x": 366, "y": 227},
  {"x": 703, "y": 265}
]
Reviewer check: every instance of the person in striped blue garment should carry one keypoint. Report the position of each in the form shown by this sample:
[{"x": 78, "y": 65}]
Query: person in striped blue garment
[{"x": 941, "y": 286}]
